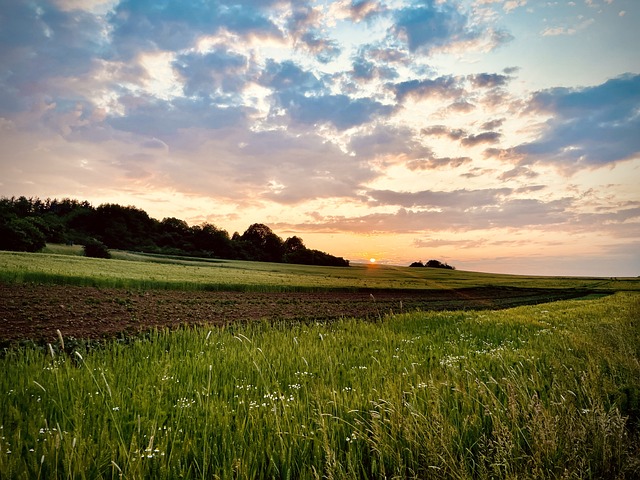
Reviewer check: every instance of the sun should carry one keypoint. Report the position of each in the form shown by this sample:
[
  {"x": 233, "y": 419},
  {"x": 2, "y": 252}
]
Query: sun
[{"x": 372, "y": 260}]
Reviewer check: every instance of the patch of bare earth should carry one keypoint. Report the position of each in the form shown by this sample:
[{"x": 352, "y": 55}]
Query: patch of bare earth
[{"x": 35, "y": 312}]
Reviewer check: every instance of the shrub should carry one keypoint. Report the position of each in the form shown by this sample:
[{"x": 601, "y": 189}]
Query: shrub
[
  {"x": 20, "y": 235},
  {"x": 96, "y": 249}
]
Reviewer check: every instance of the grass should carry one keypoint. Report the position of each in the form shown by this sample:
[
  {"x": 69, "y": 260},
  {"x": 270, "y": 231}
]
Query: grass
[
  {"x": 139, "y": 271},
  {"x": 61, "y": 249},
  {"x": 546, "y": 391}
]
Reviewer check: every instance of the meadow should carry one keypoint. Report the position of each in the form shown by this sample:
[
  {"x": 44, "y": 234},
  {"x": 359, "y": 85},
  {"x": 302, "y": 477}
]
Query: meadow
[
  {"x": 144, "y": 271},
  {"x": 541, "y": 391},
  {"x": 546, "y": 391}
]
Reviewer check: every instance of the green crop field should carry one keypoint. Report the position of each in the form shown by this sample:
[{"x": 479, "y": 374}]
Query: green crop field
[
  {"x": 543, "y": 391},
  {"x": 546, "y": 391},
  {"x": 129, "y": 270}
]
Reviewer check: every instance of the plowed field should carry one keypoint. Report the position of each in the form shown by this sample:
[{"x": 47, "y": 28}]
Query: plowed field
[{"x": 35, "y": 312}]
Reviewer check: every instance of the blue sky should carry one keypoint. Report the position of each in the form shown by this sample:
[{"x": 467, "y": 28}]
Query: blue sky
[{"x": 496, "y": 135}]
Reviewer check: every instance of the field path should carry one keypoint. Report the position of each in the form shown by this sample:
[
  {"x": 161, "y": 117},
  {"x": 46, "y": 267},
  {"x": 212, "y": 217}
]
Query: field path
[{"x": 35, "y": 312}]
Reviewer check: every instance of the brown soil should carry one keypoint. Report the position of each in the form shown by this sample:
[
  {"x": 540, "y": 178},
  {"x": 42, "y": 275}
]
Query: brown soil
[{"x": 35, "y": 312}]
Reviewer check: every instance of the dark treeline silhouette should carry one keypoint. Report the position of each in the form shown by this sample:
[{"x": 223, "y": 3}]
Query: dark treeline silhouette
[
  {"x": 26, "y": 224},
  {"x": 433, "y": 264}
]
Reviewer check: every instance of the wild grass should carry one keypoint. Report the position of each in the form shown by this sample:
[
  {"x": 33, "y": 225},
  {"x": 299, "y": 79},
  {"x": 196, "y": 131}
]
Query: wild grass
[
  {"x": 546, "y": 391},
  {"x": 138, "y": 271},
  {"x": 61, "y": 249}
]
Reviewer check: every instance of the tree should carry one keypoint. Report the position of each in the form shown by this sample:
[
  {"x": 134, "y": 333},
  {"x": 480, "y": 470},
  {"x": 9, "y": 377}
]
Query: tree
[
  {"x": 293, "y": 244},
  {"x": 417, "y": 264},
  {"x": 438, "y": 264},
  {"x": 122, "y": 227},
  {"x": 27, "y": 223},
  {"x": 212, "y": 240},
  {"x": 262, "y": 243},
  {"x": 20, "y": 235},
  {"x": 174, "y": 233}
]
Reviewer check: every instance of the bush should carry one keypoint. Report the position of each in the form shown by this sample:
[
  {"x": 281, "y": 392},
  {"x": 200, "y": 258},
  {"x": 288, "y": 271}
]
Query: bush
[
  {"x": 20, "y": 235},
  {"x": 96, "y": 249},
  {"x": 433, "y": 264}
]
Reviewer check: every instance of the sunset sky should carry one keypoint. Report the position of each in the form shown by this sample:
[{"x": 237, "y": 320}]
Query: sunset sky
[{"x": 494, "y": 135}]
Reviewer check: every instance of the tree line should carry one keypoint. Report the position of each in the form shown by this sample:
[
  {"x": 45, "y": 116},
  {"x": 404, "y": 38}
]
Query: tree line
[
  {"x": 433, "y": 264},
  {"x": 27, "y": 224}
]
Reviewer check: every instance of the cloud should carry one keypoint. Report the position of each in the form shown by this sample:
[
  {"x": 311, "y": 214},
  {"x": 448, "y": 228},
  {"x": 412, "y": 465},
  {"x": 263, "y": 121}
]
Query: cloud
[
  {"x": 466, "y": 139},
  {"x": 388, "y": 55},
  {"x": 529, "y": 189},
  {"x": 589, "y": 126},
  {"x": 306, "y": 99},
  {"x": 442, "y": 130},
  {"x": 439, "y": 243},
  {"x": 164, "y": 119},
  {"x": 356, "y": 10},
  {"x": 386, "y": 145},
  {"x": 437, "y": 163},
  {"x": 175, "y": 25},
  {"x": 477, "y": 172},
  {"x": 521, "y": 171},
  {"x": 40, "y": 45},
  {"x": 232, "y": 164},
  {"x": 428, "y": 242},
  {"x": 461, "y": 106},
  {"x": 304, "y": 167},
  {"x": 155, "y": 144},
  {"x": 485, "y": 137},
  {"x": 367, "y": 67},
  {"x": 390, "y": 145},
  {"x": 323, "y": 48},
  {"x": 429, "y": 24},
  {"x": 445, "y": 86},
  {"x": 566, "y": 30},
  {"x": 512, "y": 213},
  {"x": 287, "y": 76},
  {"x": 305, "y": 26},
  {"x": 511, "y": 5},
  {"x": 340, "y": 110},
  {"x": 493, "y": 124},
  {"x": 218, "y": 70},
  {"x": 461, "y": 199},
  {"x": 488, "y": 80}
]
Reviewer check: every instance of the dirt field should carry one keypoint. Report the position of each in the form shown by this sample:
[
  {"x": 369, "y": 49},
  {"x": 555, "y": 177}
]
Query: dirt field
[{"x": 34, "y": 312}]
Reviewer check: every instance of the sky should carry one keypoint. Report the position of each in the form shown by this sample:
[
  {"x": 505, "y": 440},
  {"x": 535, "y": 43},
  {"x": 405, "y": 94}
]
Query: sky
[{"x": 494, "y": 135}]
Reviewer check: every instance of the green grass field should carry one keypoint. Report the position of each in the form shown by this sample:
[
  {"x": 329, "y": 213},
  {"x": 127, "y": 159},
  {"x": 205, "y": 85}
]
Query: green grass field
[
  {"x": 546, "y": 391},
  {"x": 543, "y": 391},
  {"x": 130, "y": 270}
]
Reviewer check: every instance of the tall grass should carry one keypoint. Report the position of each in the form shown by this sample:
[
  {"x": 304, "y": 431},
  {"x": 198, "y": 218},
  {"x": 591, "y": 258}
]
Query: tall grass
[{"x": 547, "y": 391}]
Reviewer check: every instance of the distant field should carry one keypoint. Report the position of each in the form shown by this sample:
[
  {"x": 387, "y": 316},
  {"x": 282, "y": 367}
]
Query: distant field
[{"x": 140, "y": 271}]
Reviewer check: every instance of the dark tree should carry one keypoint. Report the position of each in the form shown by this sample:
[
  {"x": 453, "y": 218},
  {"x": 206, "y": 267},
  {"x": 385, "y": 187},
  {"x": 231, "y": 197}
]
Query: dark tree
[
  {"x": 174, "y": 235},
  {"x": 212, "y": 241},
  {"x": 417, "y": 264},
  {"x": 122, "y": 227},
  {"x": 26, "y": 223},
  {"x": 438, "y": 264},
  {"x": 23, "y": 206},
  {"x": 20, "y": 235},
  {"x": 293, "y": 244},
  {"x": 264, "y": 245},
  {"x": 96, "y": 249}
]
